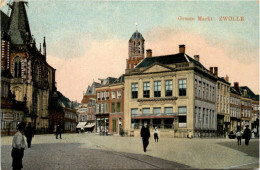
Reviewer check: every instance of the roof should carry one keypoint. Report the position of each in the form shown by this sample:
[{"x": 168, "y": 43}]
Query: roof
[
  {"x": 4, "y": 22},
  {"x": 59, "y": 101},
  {"x": 136, "y": 35},
  {"x": 250, "y": 94},
  {"x": 91, "y": 89},
  {"x": 233, "y": 90},
  {"x": 223, "y": 80},
  {"x": 19, "y": 29},
  {"x": 167, "y": 59},
  {"x": 119, "y": 79}
]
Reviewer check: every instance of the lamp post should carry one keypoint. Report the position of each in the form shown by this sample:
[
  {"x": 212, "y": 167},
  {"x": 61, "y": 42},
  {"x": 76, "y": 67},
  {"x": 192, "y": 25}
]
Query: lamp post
[{"x": 200, "y": 127}]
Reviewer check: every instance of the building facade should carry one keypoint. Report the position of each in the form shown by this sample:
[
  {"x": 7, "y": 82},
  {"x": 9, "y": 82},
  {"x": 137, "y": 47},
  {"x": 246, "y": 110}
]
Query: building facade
[
  {"x": 235, "y": 108},
  {"x": 110, "y": 106},
  {"x": 173, "y": 92},
  {"x": 223, "y": 106}
]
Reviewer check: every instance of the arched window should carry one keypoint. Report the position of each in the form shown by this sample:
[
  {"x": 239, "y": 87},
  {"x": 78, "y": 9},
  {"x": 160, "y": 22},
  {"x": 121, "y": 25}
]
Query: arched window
[
  {"x": 139, "y": 47},
  {"x": 36, "y": 72},
  {"x": 17, "y": 67},
  {"x": 35, "y": 103}
]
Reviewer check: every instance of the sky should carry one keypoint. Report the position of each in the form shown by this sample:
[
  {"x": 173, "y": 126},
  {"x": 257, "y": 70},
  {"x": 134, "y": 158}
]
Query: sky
[{"x": 88, "y": 40}]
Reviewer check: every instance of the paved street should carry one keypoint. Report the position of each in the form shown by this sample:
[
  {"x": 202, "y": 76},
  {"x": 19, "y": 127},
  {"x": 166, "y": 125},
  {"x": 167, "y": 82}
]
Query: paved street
[{"x": 90, "y": 151}]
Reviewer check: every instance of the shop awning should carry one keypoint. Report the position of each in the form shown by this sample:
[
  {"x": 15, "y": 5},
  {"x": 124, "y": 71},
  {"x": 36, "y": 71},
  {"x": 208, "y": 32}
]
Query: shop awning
[
  {"x": 81, "y": 124},
  {"x": 90, "y": 125}
]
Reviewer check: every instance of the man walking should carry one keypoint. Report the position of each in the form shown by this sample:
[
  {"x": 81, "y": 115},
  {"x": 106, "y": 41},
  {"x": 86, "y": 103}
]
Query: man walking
[
  {"x": 58, "y": 131},
  {"x": 29, "y": 132},
  {"x": 145, "y": 134},
  {"x": 247, "y": 134}
]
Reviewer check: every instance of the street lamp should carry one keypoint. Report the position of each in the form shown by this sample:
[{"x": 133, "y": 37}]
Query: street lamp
[{"x": 200, "y": 126}]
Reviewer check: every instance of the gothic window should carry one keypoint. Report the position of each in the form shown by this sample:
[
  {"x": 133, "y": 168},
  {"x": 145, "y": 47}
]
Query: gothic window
[
  {"x": 36, "y": 72},
  {"x": 35, "y": 103},
  {"x": 17, "y": 67}
]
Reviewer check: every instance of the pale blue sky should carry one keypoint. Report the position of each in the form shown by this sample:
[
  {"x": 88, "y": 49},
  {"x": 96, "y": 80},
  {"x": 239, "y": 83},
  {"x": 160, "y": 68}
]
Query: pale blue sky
[
  {"x": 76, "y": 31},
  {"x": 99, "y": 20}
]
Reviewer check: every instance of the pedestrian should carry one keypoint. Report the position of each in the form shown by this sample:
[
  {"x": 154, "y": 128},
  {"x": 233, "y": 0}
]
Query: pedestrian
[
  {"x": 247, "y": 134},
  {"x": 58, "y": 131},
  {"x": 155, "y": 133},
  {"x": 239, "y": 136},
  {"x": 18, "y": 145},
  {"x": 145, "y": 134},
  {"x": 29, "y": 133},
  {"x": 82, "y": 130}
]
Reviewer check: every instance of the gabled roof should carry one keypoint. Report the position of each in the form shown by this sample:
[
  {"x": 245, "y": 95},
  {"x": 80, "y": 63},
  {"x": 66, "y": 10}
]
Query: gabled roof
[
  {"x": 167, "y": 59},
  {"x": 19, "y": 29}
]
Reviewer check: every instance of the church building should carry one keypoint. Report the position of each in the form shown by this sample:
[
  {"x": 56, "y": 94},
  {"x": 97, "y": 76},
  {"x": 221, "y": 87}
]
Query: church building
[{"x": 33, "y": 79}]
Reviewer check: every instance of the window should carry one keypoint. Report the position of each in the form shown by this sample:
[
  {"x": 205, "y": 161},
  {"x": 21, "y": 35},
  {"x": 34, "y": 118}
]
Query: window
[
  {"x": 182, "y": 87},
  {"x": 168, "y": 88},
  {"x": 102, "y": 108},
  {"x": 146, "y": 110},
  {"x": 119, "y": 93},
  {"x": 35, "y": 103},
  {"x": 168, "y": 110},
  {"x": 182, "y": 116},
  {"x": 118, "y": 107},
  {"x": 107, "y": 95},
  {"x": 157, "y": 110},
  {"x": 134, "y": 90},
  {"x": 98, "y": 96},
  {"x": 157, "y": 89},
  {"x": 134, "y": 111},
  {"x": 17, "y": 67},
  {"x": 103, "y": 95},
  {"x": 113, "y": 107},
  {"x": 113, "y": 94},
  {"x": 146, "y": 90}
]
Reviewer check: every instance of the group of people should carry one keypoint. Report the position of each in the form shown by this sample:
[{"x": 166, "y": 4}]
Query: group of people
[
  {"x": 246, "y": 134},
  {"x": 145, "y": 134},
  {"x": 18, "y": 143}
]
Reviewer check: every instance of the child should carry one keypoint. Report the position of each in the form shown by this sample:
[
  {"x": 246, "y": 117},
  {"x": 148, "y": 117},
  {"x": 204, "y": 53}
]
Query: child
[
  {"x": 239, "y": 136},
  {"x": 156, "y": 134}
]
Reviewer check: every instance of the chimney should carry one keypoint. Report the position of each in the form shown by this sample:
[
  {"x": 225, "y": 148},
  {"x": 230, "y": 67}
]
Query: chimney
[
  {"x": 149, "y": 53},
  {"x": 197, "y": 57},
  {"x": 227, "y": 78},
  {"x": 216, "y": 71},
  {"x": 182, "y": 48},
  {"x": 236, "y": 86},
  {"x": 211, "y": 69}
]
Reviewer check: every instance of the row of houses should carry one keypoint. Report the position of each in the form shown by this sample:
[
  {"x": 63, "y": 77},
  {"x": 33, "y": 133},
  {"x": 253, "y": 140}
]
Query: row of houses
[{"x": 175, "y": 93}]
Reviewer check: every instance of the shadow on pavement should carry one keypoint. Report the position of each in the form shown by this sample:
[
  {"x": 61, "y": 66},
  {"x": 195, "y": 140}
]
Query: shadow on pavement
[{"x": 251, "y": 150}]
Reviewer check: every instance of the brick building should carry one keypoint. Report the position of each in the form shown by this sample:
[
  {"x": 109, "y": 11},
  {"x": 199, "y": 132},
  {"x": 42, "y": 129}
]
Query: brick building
[{"x": 110, "y": 105}]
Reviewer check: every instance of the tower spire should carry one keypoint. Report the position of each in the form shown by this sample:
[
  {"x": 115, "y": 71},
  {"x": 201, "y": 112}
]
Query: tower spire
[
  {"x": 19, "y": 29},
  {"x": 136, "y": 24},
  {"x": 44, "y": 47}
]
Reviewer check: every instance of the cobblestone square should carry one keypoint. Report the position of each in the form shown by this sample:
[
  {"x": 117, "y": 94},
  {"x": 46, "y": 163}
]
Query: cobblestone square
[{"x": 90, "y": 151}]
